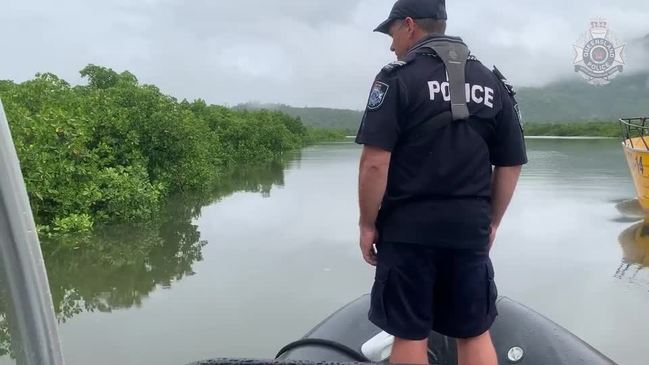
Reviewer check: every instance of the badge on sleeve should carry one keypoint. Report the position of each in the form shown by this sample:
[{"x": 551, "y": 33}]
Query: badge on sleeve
[{"x": 377, "y": 95}]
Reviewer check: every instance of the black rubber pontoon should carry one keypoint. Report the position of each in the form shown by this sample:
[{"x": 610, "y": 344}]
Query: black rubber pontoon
[
  {"x": 521, "y": 336},
  {"x": 518, "y": 331}
]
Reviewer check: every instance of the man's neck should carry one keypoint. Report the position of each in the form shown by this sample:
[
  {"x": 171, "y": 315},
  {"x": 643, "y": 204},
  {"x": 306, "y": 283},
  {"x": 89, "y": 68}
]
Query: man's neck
[{"x": 419, "y": 39}]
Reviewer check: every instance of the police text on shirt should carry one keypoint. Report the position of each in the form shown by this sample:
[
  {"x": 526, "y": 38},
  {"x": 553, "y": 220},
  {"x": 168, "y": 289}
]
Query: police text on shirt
[{"x": 474, "y": 93}]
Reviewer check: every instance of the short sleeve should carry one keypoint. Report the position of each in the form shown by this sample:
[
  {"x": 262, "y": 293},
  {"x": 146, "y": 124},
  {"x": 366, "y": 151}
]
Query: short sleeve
[
  {"x": 380, "y": 124},
  {"x": 508, "y": 148}
]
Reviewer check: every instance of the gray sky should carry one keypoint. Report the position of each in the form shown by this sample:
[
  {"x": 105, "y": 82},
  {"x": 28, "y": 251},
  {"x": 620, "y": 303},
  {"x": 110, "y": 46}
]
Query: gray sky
[{"x": 297, "y": 52}]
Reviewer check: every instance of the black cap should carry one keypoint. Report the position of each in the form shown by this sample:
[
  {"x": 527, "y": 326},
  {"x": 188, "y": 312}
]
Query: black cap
[{"x": 416, "y": 9}]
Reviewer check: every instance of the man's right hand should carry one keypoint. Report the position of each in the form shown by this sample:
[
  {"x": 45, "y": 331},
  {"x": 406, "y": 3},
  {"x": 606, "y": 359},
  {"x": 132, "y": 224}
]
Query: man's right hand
[{"x": 368, "y": 237}]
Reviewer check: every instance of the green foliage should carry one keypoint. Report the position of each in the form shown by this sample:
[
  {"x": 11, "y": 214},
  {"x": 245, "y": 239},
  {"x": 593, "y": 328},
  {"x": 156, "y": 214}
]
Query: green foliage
[
  {"x": 254, "y": 136},
  {"x": 125, "y": 194},
  {"x": 567, "y": 129},
  {"x": 326, "y": 135},
  {"x": 105, "y": 78},
  {"x": 72, "y": 223},
  {"x": 113, "y": 151}
]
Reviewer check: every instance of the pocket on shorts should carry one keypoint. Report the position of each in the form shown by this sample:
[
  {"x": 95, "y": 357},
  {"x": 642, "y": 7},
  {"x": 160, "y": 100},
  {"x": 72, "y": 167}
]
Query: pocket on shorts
[
  {"x": 377, "y": 304},
  {"x": 492, "y": 293}
]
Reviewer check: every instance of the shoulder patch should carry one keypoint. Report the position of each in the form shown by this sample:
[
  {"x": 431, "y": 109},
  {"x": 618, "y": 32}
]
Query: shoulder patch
[
  {"x": 510, "y": 89},
  {"x": 377, "y": 95}
]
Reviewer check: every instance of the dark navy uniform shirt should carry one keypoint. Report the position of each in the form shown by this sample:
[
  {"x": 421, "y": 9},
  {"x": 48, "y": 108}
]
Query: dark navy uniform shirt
[{"x": 439, "y": 182}]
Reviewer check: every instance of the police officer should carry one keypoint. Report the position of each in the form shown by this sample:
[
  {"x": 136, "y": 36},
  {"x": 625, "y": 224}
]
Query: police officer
[{"x": 443, "y": 149}]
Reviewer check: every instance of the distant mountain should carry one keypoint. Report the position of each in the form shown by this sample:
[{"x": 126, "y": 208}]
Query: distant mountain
[
  {"x": 564, "y": 101},
  {"x": 346, "y": 119},
  {"x": 576, "y": 100}
]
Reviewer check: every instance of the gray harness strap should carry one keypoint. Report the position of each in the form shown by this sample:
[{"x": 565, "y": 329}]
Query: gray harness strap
[{"x": 454, "y": 53}]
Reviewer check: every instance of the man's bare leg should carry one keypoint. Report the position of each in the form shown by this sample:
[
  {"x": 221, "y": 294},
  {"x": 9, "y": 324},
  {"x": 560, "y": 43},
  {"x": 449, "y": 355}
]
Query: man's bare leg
[
  {"x": 476, "y": 351},
  {"x": 409, "y": 352}
]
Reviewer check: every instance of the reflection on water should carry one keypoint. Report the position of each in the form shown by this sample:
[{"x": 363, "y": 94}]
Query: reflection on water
[
  {"x": 634, "y": 241},
  {"x": 630, "y": 209},
  {"x": 635, "y": 247},
  {"x": 117, "y": 267}
]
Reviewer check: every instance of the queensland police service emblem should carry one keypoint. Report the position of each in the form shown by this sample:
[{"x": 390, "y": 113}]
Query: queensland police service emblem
[
  {"x": 377, "y": 95},
  {"x": 599, "y": 55}
]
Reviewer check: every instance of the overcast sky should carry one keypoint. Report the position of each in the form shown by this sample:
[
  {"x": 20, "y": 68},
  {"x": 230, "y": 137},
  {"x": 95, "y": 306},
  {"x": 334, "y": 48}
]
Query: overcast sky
[{"x": 297, "y": 52}]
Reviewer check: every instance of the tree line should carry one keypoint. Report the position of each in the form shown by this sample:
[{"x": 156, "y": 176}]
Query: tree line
[{"x": 588, "y": 129}]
